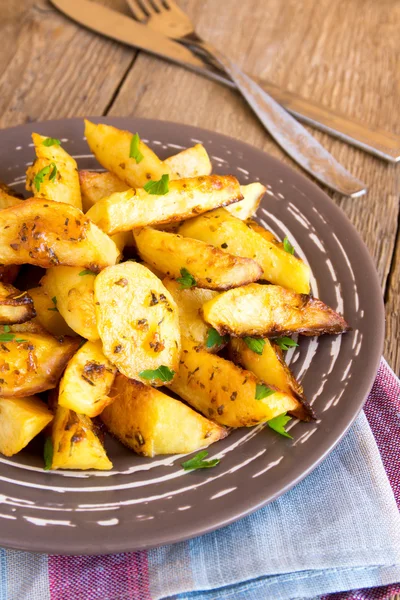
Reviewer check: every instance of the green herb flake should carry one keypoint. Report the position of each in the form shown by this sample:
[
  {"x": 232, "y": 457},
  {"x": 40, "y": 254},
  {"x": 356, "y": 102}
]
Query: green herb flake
[
  {"x": 262, "y": 391},
  {"x": 278, "y": 425},
  {"x": 255, "y": 344},
  {"x": 186, "y": 280},
  {"x": 214, "y": 339},
  {"x": 163, "y": 373},
  {"x": 54, "y": 301},
  {"x": 287, "y": 246},
  {"x": 53, "y": 173},
  {"x": 134, "y": 151},
  {"x": 158, "y": 188},
  {"x": 48, "y": 454},
  {"x": 20, "y": 340},
  {"x": 7, "y": 337},
  {"x": 86, "y": 272},
  {"x": 51, "y": 142},
  {"x": 40, "y": 175},
  {"x": 7, "y": 329},
  {"x": 198, "y": 462},
  {"x": 285, "y": 343}
]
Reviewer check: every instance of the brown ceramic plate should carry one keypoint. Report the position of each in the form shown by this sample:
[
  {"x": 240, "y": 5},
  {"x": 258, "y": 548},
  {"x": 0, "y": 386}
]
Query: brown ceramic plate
[{"x": 150, "y": 502}]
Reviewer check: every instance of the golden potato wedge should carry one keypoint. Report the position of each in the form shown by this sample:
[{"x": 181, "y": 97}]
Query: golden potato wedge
[
  {"x": 7, "y": 200},
  {"x": 72, "y": 292},
  {"x": 96, "y": 185},
  {"x": 252, "y": 194},
  {"x": 76, "y": 442},
  {"x": 151, "y": 423},
  {"x": 111, "y": 147},
  {"x": 224, "y": 392},
  {"x": 32, "y": 326},
  {"x": 21, "y": 419},
  {"x": 138, "y": 322},
  {"x": 48, "y": 314},
  {"x": 211, "y": 268},
  {"x": 87, "y": 380},
  {"x": 190, "y": 302},
  {"x": 267, "y": 235},
  {"x": 32, "y": 362},
  {"x": 270, "y": 367},
  {"x": 223, "y": 230},
  {"x": 15, "y": 306},
  {"x": 270, "y": 311},
  {"x": 186, "y": 198},
  {"x": 9, "y": 273},
  {"x": 59, "y": 181},
  {"x": 191, "y": 162},
  {"x": 46, "y": 233}
]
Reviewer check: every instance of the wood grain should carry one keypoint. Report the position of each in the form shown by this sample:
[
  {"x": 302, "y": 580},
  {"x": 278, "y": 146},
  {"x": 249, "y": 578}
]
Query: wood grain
[{"x": 342, "y": 54}]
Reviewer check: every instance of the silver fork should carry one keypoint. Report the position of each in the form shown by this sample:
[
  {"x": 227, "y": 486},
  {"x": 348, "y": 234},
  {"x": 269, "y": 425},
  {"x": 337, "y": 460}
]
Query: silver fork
[{"x": 166, "y": 17}]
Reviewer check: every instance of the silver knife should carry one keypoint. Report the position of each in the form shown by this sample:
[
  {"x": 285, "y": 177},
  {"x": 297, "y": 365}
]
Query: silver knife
[{"x": 117, "y": 26}]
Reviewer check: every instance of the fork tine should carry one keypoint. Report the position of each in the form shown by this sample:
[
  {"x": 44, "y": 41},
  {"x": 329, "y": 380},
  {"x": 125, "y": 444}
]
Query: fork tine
[
  {"x": 148, "y": 7},
  {"x": 158, "y": 5},
  {"x": 137, "y": 11}
]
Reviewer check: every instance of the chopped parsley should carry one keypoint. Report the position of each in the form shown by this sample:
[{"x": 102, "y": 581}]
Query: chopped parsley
[
  {"x": 255, "y": 344},
  {"x": 51, "y": 142},
  {"x": 54, "y": 301},
  {"x": 86, "y": 272},
  {"x": 50, "y": 170},
  {"x": 10, "y": 337},
  {"x": 158, "y": 188},
  {"x": 163, "y": 373},
  {"x": 186, "y": 280},
  {"x": 198, "y": 462},
  {"x": 285, "y": 343},
  {"x": 134, "y": 151},
  {"x": 278, "y": 425},
  {"x": 214, "y": 339},
  {"x": 262, "y": 391},
  {"x": 287, "y": 246},
  {"x": 48, "y": 454}
]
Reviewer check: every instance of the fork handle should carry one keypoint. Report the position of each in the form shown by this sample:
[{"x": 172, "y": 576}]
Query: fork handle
[{"x": 293, "y": 138}]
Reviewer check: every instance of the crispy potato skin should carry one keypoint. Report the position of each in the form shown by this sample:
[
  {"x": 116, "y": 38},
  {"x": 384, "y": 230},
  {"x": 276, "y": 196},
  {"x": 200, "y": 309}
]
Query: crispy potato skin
[
  {"x": 21, "y": 419},
  {"x": 34, "y": 365},
  {"x": 252, "y": 195},
  {"x": 186, "y": 198},
  {"x": 87, "y": 380},
  {"x": 191, "y": 162},
  {"x": 76, "y": 443},
  {"x": 267, "y": 235},
  {"x": 46, "y": 314},
  {"x": 15, "y": 306},
  {"x": 271, "y": 368},
  {"x": 190, "y": 302},
  {"x": 45, "y": 233},
  {"x": 223, "y": 230},
  {"x": 270, "y": 311},
  {"x": 95, "y": 186},
  {"x": 65, "y": 186},
  {"x": 111, "y": 147},
  {"x": 74, "y": 294},
  {"x": 224, "y": 392},
  {"x": 137, "y": 320},
  {"x": 212, "y": 268},
  {"x": 151, "y": 423}
]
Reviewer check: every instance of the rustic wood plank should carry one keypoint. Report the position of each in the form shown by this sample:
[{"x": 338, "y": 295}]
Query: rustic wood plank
[
  {"x": 313, "y": 49},
  {"x": 392, "y": 343},
  {"x": 52, "y": 68}
]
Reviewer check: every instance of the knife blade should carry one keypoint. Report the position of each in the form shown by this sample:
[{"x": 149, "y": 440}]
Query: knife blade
[{"x": 121, "y": 28}]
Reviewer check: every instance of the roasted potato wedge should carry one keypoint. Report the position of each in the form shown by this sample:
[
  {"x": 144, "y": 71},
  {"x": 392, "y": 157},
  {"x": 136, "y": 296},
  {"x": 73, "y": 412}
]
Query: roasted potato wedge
[
  {"x": 61, "y": 182},
  {"x": 252, "y": 194},
  {"x": 151, "y": 423},
  {"x": 76, "y": 443},
  {"x": 211, "y": 268},
  {"x": 270, "y": 311},
  {"x": 270, "y": 367},
  {"x": 190, "y": 302},
  {"x": 223, "y": 230},
  {"x": 9, "y": 273},
  {"x": 87, "y": 380},
  {"x": 46, "y": 233},
  {"x": 21, "y": 419},
  {"x": 32, "y": 362},
  {"x": 7, "y": 200},
  {"x": 230, "y": 398},
  {"x": 191, "y": 162},
  {"x": 137, "y": 320},
  {"x": 72, "y": 292},
  {"x": 111, "y": 147},
  {"x": 48, "y": 314},
  {"x": 267, "y": 235},
  {"x": 15, "y": 306},
  {"x": 95, "y": 186},
  {"x": 186, "y": 198}
]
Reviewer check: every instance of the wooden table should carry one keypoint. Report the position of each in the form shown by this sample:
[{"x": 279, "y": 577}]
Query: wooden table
[{"x": 343, "y": 54}]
